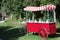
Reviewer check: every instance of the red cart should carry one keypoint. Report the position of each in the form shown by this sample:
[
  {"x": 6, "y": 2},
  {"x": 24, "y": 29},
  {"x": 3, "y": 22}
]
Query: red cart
[{"x": 45, "y": 26}]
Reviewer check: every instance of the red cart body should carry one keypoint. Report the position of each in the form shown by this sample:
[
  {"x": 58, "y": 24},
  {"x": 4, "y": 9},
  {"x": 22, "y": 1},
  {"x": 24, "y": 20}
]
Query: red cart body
[{"x": 50, "y": 28}]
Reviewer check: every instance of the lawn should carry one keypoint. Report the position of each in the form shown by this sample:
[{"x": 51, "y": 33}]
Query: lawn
[{"x": 17, "y": 31}]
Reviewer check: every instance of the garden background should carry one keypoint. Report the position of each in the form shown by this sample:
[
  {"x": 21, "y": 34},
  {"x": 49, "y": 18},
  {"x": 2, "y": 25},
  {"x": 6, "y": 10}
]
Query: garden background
[{"x": 12, "y": 13}]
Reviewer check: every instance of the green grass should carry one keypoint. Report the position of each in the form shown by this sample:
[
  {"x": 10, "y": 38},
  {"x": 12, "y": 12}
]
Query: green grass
[{"x": 13, "y": 30}]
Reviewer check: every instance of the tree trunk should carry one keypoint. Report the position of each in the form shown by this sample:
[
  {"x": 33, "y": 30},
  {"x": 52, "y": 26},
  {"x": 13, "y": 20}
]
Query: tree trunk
[
  {"x": 11, "y": 16},
  {"x": 3, "y": 15},
  {"x": 20, "y": 17}
]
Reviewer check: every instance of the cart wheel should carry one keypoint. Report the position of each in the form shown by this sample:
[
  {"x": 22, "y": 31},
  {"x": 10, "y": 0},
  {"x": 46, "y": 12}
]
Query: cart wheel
[{"x": 43, "y": 32}]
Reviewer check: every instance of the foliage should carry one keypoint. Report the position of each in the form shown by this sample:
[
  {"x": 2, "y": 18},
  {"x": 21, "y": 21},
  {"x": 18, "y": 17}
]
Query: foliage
[{"x": 15, "y": 7}]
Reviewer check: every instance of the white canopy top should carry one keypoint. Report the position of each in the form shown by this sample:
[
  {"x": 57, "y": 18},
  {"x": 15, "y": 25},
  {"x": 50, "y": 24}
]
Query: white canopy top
[{"x": 46, "y": 7}]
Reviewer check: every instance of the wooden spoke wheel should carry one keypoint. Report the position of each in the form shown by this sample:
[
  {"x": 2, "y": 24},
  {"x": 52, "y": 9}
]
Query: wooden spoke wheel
[{"x": 43, "y": 32}]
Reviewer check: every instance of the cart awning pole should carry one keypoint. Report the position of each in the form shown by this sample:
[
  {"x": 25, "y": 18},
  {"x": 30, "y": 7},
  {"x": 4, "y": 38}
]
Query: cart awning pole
[
  {"x": 54, "y": 16},
  {"x": 48, "y": 16},
  {"x": 33, "y": 17}
]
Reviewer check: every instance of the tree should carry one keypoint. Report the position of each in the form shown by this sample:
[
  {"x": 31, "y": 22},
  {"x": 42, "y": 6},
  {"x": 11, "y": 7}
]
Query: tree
[
  {"x": 39, "y": 3},
  {"x": 3, "y": 8},
  {"x": 15, "y": 7}
]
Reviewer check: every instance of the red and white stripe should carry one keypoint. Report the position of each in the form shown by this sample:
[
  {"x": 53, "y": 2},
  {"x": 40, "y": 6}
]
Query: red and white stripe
[{"x": 46, "y": 7}]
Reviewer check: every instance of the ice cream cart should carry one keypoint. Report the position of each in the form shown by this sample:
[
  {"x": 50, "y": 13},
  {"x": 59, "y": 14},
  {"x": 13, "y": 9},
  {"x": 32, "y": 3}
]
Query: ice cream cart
[{"x": 44, "y": 26}]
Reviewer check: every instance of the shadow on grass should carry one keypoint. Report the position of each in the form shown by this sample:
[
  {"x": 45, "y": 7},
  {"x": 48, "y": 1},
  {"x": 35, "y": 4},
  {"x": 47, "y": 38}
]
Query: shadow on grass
[
  {"x": 55, "y": 35},
  {"x": 12, "y": 34},
  {"x": 58, "y": 30}
]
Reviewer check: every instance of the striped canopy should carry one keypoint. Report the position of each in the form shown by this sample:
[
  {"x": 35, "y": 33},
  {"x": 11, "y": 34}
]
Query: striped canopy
[{"x": 46, "y": 7}]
